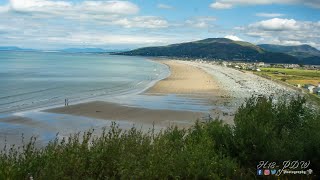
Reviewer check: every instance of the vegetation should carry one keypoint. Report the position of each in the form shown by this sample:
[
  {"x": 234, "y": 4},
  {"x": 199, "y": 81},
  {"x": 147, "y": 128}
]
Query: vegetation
[
  {"x": 293, "y": 76},
  {"x": 262, "y": 130},
  {"x": 301, "y": 51},
  {"x": 217, "y": 48}
]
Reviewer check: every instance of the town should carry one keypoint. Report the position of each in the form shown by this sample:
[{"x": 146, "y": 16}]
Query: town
[{"x": 305, "y": 78}]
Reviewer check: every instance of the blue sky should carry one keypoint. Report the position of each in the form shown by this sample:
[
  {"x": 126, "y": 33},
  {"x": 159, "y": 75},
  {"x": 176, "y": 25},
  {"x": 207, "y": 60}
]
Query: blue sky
[{"x": 114, "y": 24}]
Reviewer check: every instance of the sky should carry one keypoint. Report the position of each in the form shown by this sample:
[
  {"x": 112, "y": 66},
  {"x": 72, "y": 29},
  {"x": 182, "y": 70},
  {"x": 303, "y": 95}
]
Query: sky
[{"x": 117, "y": 24}]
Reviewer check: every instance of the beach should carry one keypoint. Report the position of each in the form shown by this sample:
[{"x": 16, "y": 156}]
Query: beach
[
  {"x": 184, "y": 80},
  {"x": 117, "y": 112},
  {"x": 192, "y": 91},
  {"x": 223, "y": 88}
]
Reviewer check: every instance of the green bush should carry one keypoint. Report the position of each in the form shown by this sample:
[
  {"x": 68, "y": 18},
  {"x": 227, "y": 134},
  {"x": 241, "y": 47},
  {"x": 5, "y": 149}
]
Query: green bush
[{"x": 263, "y": 130}]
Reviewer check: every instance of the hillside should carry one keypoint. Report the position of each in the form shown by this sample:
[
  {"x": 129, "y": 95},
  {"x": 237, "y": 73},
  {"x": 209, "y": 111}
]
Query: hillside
[
  {"x": 216, "y": 48},
  {"x": 13, "y": 48},
  {"x": 301, "y": 51},
  {"x": 305, "y": 53}
]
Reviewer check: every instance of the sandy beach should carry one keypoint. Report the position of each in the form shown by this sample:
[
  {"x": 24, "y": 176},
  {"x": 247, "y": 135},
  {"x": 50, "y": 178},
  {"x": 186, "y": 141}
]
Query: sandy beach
[
  {"x": 116, "y": 112},
  {"x": 223, "y": 88},
  {"x": 184, "y": 80}
]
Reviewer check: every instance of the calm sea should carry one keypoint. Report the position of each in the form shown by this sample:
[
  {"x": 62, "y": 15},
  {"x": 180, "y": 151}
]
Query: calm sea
[{"x": 32, "y": 80}]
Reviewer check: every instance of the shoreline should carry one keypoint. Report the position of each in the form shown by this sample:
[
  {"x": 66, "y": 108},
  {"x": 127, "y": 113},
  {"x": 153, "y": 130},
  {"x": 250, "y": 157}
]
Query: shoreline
[{"x": 183, "y": 80}]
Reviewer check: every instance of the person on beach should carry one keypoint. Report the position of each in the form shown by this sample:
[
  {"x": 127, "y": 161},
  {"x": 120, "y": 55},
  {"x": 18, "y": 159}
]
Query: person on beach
[{"x": 65, "y": 102}]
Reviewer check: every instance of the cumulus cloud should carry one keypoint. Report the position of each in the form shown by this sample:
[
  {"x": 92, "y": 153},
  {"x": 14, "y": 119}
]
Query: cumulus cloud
[
  {"x": 54, "y": 23},
  {"x": 102, "y": 39},
  {"x": 220, "y": 5},
  {"x": 111, "y": 12},
  {"x": 276, "y": 24},
  {"x": 269, "y": 15},
  {"x": 200, "y": 22},
  {"x": 227, "y": 4},
  {"x": 142, "y": 22},
  {"x": 65, "y": 7},
  {"x": 284, "y": 31},
  {"x": 233, "y": 37},
  {"x": 164, "y": 6}
]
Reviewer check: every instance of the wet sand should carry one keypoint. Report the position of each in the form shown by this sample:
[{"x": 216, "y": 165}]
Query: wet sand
[
  {"x": 185, "y": 80},
  {"x": 116, "y": 112}
]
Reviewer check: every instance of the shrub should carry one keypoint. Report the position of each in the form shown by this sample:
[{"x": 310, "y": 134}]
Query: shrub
[{"x": 263, "y": 130}]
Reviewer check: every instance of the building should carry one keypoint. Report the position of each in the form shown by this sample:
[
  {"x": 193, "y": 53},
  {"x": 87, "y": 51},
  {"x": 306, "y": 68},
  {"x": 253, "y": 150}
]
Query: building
[
  {"x": 310, "y": 87},
  {"x": 316, "y": 90}
]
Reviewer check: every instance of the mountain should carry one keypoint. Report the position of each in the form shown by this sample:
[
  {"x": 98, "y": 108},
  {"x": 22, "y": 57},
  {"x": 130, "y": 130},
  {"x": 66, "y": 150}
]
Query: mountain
[
  {"x": 215, "y": 48},
  {"x": 305, "y": 53},
  {"x": 13, "y": 48},
  {"x": 84, "y": 50},
  {"x": 301, "y": 51}
]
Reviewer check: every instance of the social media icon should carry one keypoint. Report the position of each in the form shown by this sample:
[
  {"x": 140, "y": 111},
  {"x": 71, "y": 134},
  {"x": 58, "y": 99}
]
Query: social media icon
[
  {"x": 266, "y": 172},
  {"x": 273, "y": 171},
  {"x": 259, "y": 172}
]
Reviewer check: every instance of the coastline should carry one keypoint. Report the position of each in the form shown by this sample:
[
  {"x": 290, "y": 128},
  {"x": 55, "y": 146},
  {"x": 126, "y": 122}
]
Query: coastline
[
  {"x": 184, "y": 80},
  {"x": 166, "y": 102},
  {"x": 223, "y": 89}
]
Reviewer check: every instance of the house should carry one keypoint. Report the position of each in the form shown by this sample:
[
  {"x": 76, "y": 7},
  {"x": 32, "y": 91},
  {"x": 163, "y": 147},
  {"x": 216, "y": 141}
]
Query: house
[
  {"x": 310, "y": 87},
  {"x": 316, "y": 90}
]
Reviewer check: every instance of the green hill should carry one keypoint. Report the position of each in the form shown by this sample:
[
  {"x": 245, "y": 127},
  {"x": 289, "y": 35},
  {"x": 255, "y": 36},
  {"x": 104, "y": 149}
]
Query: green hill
[
  {"x": 301, "y": 51},
  {"x": 216, "y": 48},
  {"x": 305, "y": 53}
]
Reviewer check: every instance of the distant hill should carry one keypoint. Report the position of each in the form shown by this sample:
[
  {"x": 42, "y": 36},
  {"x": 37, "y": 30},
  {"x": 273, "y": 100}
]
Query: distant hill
[
  {"x": 305, "y": 53},
  {"x": 83, "y": 50},
  {"x": 216, "y": 48},
  {"x": 13, "y": 48},
  {"x": 301, "y": 51}
]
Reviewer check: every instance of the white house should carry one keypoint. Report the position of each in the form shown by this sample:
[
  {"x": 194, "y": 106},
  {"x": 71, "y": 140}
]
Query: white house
[
  {"x": 311, "y": 88},
  {"x": 316, "y": 90}
]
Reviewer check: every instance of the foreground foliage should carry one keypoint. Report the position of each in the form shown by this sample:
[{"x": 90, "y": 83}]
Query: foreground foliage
[{"x": 263, "y": 130}]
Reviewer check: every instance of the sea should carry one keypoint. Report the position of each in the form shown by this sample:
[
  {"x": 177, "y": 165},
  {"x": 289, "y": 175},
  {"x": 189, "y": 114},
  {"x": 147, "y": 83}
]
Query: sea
[{"x": 33, "y": 81}]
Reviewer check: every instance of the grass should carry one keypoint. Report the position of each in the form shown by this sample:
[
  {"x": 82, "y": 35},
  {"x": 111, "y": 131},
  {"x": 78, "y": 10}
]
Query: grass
[
  {"x": 293, "y": 76},
  {"x": 263, "y": 130}
]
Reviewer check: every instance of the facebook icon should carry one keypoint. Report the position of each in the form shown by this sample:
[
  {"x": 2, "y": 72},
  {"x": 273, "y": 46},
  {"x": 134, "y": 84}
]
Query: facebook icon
[{"x": 259, "y": 172}]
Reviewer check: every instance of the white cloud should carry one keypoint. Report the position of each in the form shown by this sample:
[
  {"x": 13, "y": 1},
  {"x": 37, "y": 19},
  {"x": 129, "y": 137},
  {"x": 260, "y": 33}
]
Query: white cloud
[
  {"x": 276, "y": 24},
  {"x": 102, "y": 39},
  {"x": 142, "y": 22},
  {"x": 220, "y": 5},
  {"x": 284, "y": 31},
  {"x": 111, "y": 12},
  {"x": 200, "y": 22},
  {"x": 269, "y": 15},
  {"x": 66, "y": 7},
  {"x": 226, "y": 4},
  {"x": 59, "y": 23},
  {"x": 164, "y": 6},
  {"x": 233, "y": 37}
]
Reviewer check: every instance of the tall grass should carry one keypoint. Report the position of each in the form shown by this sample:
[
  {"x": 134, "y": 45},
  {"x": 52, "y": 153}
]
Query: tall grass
[{"x": 263, "y": 130}]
